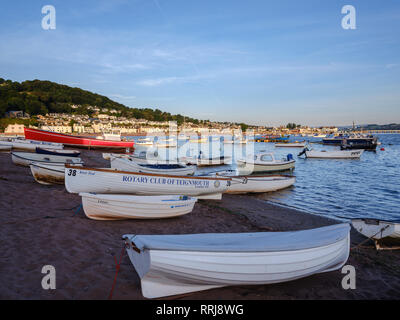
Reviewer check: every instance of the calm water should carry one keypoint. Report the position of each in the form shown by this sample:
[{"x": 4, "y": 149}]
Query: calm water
[{"x": 369, "y": 187}]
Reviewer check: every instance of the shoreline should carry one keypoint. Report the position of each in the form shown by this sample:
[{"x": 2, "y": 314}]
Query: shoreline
[{"x": 41, "y": 226}]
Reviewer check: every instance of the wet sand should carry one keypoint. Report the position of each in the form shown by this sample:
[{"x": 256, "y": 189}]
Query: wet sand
[{"x": 40, "y": 226}]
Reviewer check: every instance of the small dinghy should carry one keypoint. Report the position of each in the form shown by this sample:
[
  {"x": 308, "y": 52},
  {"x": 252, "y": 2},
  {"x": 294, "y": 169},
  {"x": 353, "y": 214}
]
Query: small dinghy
[
  {"x": 264, "y": 162},
  {"x": 118, "y": 207},
  {"x": 5, "y": 147},
  {"x": 65, "y": 153},
  {"x": 382, "y": 232},
  {"x": 26, "y": 158},
  {"x": 176, "y": 264},
  {"x": 110, "y": 181},
  {"x": 336, "y": 154},
  {"x": 291, "y": 144},
  {"x": 256, "y": 184},
  {"x": 31, "y": 145},
  {"x": 49, "y": 173},
  {"x": 207, "y": 161},
  {"x": 129, "y": 164}
]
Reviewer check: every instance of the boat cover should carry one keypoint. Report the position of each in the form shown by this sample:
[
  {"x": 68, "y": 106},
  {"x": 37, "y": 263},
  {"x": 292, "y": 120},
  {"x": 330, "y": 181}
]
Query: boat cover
[{"x": 243, "y": 242}]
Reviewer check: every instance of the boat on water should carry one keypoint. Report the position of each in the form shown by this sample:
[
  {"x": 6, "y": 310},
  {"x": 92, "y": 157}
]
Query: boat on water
[
  {"x": 264, "y": 162},
  {"x": 26, "y": 158},
  {"x": 335, "y": 154},
  {"x": 130, "y": 164},
  {"x": 31, "y": 145},
  {"x": 144, "y": 142},
  {"x": 66, "y": 153},
  {"x": 75, "y": 141},
  {"x": 176, "y": 264},
  {"x": 49, "y": 173},
  {"x": 110, "y": 181},
  {"x": 366, "y": 143},
  {"x": 118, "y": 206},
  {"x": 382, "y": 232},
  {"x": 334, "y": 141},
  {"x": 291, "y": 144},
  {"x": 255, "y": 184}
]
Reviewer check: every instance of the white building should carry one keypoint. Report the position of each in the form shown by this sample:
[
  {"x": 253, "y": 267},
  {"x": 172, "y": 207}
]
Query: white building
[{"x": 14, "y": 129}]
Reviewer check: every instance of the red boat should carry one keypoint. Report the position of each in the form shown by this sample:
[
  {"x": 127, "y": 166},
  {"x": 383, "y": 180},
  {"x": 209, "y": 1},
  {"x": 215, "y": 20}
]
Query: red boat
[{"x": 75, "y": 141}]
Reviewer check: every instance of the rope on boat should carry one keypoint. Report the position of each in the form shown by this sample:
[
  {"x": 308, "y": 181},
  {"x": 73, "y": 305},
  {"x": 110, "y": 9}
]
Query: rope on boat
[
  {"x": 118, "y": 266},
  {"x": 370, "y": 238}
]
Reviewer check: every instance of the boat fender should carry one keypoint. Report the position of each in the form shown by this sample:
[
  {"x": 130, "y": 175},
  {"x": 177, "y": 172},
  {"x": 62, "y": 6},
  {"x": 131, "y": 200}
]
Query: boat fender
[{"x": 382, "y": 149}]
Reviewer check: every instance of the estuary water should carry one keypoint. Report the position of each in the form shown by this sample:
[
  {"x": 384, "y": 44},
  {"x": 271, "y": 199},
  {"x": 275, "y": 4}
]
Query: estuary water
[{"x": 368, "y": 187}]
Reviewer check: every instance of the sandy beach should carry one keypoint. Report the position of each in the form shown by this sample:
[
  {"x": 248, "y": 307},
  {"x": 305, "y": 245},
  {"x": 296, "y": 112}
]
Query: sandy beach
[{"x": 42, "y": 226}]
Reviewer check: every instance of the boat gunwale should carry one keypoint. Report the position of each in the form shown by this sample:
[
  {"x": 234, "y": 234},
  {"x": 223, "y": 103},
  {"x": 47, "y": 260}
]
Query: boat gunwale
[{"x": 109, "y": 170}]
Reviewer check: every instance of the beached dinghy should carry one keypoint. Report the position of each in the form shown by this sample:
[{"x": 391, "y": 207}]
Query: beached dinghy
[
  {"x": 5, "y": 147},
  {"x": 382, "y": 232},
  {"x": 26, "y": 158},
  {"x": 110, "y": 181},
  {"x": 129, "y": 164},
  {"x": 264, "y": 162},
  {"x": 31, "y": 145},
  {"x": 335, "y": 154},
  {"x": 65, "y": 153},
  {"x": 49, "y": 173},
  {"x": 255, "y": 184},
  {"x": 176, "y": 264},
  {"x": 206, "y": 161},
  {"x": 118, "y": 206}
]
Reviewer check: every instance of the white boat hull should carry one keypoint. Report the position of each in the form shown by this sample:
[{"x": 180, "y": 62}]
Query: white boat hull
[
  {"x": 109, "y": 181},
  {"x": 166, "y": 272},
  {"x": 255, "y": 184},
  {"x": 26, "y": 158},
  {"x": 377, "y": 229},
  {"x": 31, "y": 145},
  {"x": 117, "y": 207},
  {"x": 290, "y": 145},
  {"x": 48, "y": 173},
  {"x": 339, "y": 154},
  {"x": 245, "y": 167},
  {"x": 129, "y": 164}
]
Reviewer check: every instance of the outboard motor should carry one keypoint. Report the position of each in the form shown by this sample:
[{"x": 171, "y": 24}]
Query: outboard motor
[{"x": 289, "y": 157}]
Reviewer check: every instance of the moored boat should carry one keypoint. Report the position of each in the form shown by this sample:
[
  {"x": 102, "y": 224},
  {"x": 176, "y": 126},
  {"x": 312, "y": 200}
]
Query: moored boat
[
  {"x": 291, "y": 144},
  {"x": 117, "y": 206},
  {"x": 258, "y": 184},
  {"x": 75, "y": 141},
  {"x": 366, "y": 143},
  {"x": 206, "y": 161},
  {"x": 110, "y": 181},
  {"x": 26, "y": 158},
  {"x": 130, "y": 164},
  {"x": 264, "y": 162},
  {"x": 31, "y": 145},
  {"x": 335, "y": 154},
  {"x": 176, "y": 264}
]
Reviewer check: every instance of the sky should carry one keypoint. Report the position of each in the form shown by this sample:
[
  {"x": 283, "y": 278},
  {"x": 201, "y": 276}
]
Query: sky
[{"x": 258, "y": 62}]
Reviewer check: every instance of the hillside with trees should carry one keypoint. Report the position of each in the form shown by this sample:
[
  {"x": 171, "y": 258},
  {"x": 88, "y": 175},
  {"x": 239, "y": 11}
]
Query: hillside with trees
[{"x": 39, "y": 97}]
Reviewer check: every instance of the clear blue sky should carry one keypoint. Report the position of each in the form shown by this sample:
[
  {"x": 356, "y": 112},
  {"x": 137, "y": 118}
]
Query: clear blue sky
[{"x": 260, "y": 62}]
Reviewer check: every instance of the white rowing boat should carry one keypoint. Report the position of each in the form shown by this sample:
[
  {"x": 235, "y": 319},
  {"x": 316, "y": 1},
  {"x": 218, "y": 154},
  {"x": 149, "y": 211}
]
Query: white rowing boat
[
  {"x": 48, "y": 173},
  {"x": 203, "y": 161},
  {"x": 264, "y": 162},
  {"x": 129, "y": 164},
  {"x": 5, "y": 147},
  {"x": 26, "y": 158},
  {"x": 336, "y": 154},
  {"x": 257, "y": 184},
  {"x": 117, "y": 206},
  {"x": 377, "y": 229},
  {"x": 31, "y": 145},
  {"x": 176, "y": 264},
  {"x": 110, "y": 181}
]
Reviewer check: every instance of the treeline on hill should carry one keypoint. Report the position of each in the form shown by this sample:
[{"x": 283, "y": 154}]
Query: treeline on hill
[{"x": 40, "y": 97}]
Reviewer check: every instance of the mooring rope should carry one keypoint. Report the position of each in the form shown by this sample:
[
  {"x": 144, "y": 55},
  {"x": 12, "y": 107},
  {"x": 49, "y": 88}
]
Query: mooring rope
[{"x": 118, "y": 266}]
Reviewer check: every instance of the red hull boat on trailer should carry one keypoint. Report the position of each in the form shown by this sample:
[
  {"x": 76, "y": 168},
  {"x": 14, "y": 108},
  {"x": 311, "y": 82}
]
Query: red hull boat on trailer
[{"x": 75, "y": 141}]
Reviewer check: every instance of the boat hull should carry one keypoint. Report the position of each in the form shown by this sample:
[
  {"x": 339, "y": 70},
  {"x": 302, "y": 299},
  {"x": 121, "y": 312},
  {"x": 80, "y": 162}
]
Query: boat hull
[
  {"x": 377, "y": 229},
  {"x": 75, "y": 141},
  {"x": 48, "y": 174},
  {"x": 109, "y": 181},
  {"x": 290, "y": 145},
  {"x": 26, "y": 158},
  {"x": 31, "y": 145},
  {"x": 128, "y": 164},
  {"x": 117, "y": 207},
  {"x": 257, "y": 184},
  {"x": 245, "y": 167},
  {"x": 342, "y": 154},
  {"x": 171, "y": 272}
]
